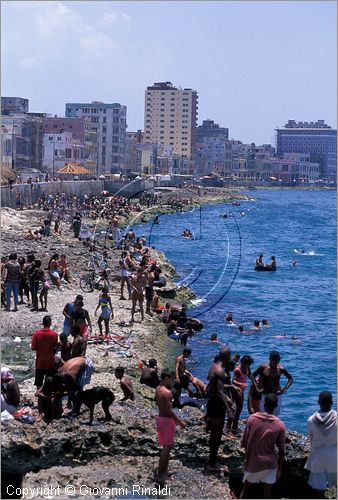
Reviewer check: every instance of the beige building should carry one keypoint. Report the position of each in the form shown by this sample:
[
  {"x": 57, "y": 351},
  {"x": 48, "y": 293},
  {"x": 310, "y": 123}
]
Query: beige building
[{"x": 170, "y": 117}]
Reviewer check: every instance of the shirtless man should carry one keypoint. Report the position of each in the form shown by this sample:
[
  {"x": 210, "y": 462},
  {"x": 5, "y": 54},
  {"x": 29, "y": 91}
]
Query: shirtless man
[
  {"x": 79, "y": 344},
  {"x": 269, "y": 377},
  {"x": 75, "y": 373},
  {"x": 183, "y": 376},
  {"x": 125, "y": 384},
  {"x": 218, "y": 404},
  {"x": 149, "y": 289},
  {"x": 149, "y": 375},
  {"x": 166, "y": 422},
  {"x": 138, "y": 282},
  {"x": 259, "y": 261}
]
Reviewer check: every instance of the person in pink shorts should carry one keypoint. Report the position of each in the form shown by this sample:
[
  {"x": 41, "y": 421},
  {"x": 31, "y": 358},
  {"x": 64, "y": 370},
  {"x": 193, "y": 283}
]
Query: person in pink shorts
[{"x": 166, "y": 422}]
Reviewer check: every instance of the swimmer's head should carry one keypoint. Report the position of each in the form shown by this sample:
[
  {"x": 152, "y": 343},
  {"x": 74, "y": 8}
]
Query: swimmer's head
[
  {"x": 256, "y": 324},
  {"x": 186, "y": 352},
  {"x": 241, "y": 328},
  {"x": 265, "y": 322},
  {"x": 213, "y": 337}
]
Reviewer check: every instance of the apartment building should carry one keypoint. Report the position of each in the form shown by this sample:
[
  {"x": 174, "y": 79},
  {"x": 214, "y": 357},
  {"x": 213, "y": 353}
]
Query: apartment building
[
  {"x": 170, "y": 117},
  {"x": 316, "y": 138},
  {"x": 110, "y": 123},
  {"x": 213, "y": 151},
  {"x": 11, "y": 105},
  {"x": 69, "y": 140},
  {"x": 21, "y": 137}
]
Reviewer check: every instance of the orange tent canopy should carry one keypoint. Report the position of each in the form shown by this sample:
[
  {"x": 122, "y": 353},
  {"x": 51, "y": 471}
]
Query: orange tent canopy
[{"x": 73, "y": 168}]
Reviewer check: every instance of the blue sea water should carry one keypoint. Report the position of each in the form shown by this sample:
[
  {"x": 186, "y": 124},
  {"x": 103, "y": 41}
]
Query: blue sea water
[{"x": 297, "y": 301}]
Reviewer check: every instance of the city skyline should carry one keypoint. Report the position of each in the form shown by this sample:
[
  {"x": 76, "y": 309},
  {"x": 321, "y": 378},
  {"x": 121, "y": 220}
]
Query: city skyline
[{"x": 254, "y": 64}]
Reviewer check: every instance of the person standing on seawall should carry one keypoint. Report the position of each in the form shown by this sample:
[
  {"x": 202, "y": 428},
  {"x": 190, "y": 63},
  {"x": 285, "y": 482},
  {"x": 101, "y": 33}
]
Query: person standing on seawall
[
  {"x": 322, "y": 433},
  {"x": 262, "y": 433},
  {"x": 269, "y": 378}
]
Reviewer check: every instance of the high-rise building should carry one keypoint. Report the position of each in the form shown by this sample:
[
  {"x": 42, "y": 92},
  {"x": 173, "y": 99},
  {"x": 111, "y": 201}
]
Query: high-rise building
[
  {"x": 316, "y": 138},
  {"x": 110, "y": 123},
  {"x": 11, "y": 105},
  {"x": 170, "y": 117}
]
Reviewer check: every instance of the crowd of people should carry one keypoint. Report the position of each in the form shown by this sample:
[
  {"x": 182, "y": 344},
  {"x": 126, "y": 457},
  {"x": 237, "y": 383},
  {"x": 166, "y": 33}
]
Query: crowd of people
[{"x": 63, "y": 368}]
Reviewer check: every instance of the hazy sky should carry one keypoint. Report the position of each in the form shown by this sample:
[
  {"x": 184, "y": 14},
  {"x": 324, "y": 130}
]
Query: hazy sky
[{"x": 254, "y": 64}]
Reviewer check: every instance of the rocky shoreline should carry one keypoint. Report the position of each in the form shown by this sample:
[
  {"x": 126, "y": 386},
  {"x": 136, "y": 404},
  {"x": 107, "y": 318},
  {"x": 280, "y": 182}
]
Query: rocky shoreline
[{"x": 124, "y": 452}]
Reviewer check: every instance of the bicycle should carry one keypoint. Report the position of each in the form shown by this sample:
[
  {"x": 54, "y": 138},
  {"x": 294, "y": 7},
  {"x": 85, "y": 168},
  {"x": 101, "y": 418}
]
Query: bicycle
[{"x": 95, "y": 279}]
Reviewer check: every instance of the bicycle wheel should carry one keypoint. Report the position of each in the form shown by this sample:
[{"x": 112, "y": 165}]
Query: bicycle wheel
[
  {"x": 107, "y": 283},
  {"x": 87, "y": 283}
]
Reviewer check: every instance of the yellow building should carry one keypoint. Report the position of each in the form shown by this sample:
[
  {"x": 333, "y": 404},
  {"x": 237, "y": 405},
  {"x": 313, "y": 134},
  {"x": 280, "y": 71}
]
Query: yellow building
[{"x": 170, "y": 117}]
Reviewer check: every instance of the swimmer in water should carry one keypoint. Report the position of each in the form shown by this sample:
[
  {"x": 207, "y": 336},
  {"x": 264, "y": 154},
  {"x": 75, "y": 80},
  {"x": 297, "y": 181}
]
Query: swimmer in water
[
  {"x": 294, "y": 263},
  {"x": 214, "y": 339},
  {"x": 256, "y": 325},
  {"x": 294, "y": 338},
  {"x": 265, "y": 323},
  {"x": 241, "y": 329},
  {"x": 228, "y": 318}
]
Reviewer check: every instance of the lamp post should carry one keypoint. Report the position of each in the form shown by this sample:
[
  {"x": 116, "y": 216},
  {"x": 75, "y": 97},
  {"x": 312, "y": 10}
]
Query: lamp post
[
  {"x": 53, "y": 170},
  {"x": 12, "y": 145}
]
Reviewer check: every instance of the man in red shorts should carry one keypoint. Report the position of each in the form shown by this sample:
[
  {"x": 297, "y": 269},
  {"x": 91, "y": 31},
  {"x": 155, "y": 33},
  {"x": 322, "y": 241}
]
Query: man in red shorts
[{"x": 166, "y": 422}]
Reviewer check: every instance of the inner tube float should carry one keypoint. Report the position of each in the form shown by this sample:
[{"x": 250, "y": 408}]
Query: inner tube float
[
  {"x": 161, "y": 282},
  {"x": 264, "y": 268}
]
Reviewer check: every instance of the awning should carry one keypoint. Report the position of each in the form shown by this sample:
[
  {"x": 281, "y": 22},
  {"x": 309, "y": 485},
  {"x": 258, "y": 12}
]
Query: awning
[{"x": 73, "y": 168}]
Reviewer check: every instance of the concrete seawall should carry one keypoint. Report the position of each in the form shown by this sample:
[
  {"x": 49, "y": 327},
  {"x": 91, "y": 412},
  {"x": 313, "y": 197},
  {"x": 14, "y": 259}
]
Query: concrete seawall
[{"x": 31, "y": 192}]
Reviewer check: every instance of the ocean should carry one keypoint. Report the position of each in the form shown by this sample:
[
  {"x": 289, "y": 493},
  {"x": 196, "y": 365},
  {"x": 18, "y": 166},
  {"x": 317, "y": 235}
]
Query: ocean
[{"x": 218, "y": 264}]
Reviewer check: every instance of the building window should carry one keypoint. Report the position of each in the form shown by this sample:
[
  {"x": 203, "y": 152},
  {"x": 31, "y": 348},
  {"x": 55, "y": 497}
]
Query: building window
[
  {"x": 69, "y": 110},
  {"x": 59, "y": 138},
  {"x": 103, "y": 162},
  {"x": 104, "y": 119},
  {"x": 50, "y": 137}
]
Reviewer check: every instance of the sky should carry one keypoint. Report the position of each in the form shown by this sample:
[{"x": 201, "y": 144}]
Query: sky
[{"x": 254, "y": 64}]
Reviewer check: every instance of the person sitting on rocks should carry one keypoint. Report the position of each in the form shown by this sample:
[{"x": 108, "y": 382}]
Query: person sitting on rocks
[
  {"x": 10, "y": 392},
  {"x": 53, "y": 270},
  {"x": 125, "y": 383},
  {"x": 29, "y": 235},
  {"x": 166, "y": 313},
  {"x": 63, "y": 267},
  {"x": 149, "y": 375}
]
